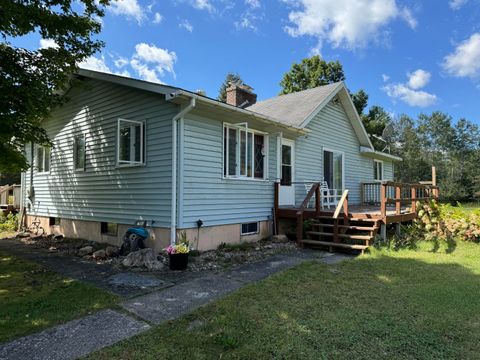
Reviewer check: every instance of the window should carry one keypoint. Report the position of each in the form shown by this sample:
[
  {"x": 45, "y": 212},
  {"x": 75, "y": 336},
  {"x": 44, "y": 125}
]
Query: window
[
  {"x": 130, "y": 142},
  {"x": 54, "y": 221},
  {"x": 377, "y": 170},
  {"x": 249, "y": 228},
  {"x": 244, "y": 153},
  {"x": 107, "y": 228},
  {"x": 333, "y": 169},
  {"x": 286, "y": 165},
  {"x": 43, "y": 159},
  {"x": 79, "y": 153}
]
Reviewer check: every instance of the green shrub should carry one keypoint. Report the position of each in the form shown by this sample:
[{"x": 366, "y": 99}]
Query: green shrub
[{"x": 8, "y": 223}]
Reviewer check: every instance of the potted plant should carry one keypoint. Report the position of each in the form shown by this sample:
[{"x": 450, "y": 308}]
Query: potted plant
[{"x": 178, "y": 253}]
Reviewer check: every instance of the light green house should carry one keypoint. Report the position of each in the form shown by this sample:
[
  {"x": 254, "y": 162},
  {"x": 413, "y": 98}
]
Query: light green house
[{"x": 127, "y": 150}]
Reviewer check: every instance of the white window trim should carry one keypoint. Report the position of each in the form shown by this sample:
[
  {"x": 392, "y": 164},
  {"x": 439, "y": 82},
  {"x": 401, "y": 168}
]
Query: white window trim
[
  {"x": 44, "y": 158},
  {"x": 75, "y": 153},
  {"x": 375, "y": 164},
  {"x": 244, "y": 127},
  {"x": 123, "y": 163},
  {"x": 343, "y": 164},
  {"x": 252, "y": 232}
]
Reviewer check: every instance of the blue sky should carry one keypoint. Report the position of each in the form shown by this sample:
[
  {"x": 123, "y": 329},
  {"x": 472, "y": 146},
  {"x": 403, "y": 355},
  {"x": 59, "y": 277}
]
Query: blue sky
[{"x": 410, "y": 56}]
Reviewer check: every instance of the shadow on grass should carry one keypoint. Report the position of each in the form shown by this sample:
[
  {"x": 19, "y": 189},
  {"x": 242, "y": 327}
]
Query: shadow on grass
[{"x": 401, "y": 305}]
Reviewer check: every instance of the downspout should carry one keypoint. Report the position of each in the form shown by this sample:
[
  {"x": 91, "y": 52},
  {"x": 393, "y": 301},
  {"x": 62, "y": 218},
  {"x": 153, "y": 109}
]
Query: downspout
[{"x": 173, "y": 211}]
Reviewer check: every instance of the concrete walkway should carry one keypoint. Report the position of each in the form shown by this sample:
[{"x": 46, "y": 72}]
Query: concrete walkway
[{"x": 81, "y": 337}]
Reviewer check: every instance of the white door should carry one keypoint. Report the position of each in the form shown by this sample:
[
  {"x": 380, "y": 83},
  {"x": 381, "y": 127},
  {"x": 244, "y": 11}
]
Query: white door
[{"x": 287, "y": 188}]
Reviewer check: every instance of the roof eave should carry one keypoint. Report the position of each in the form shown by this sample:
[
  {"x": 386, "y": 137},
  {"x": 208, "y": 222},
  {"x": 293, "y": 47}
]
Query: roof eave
[{"x": 380, "y": 155}]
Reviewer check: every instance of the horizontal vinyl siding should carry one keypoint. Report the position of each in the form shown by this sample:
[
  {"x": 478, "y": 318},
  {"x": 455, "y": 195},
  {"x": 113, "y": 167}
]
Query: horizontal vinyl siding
[
  {"x": 206, "y": 195},
  {"x": 388, "y": 170},
  {"x": 331, "y": 129},
  {"x": 104, "y": 192}
]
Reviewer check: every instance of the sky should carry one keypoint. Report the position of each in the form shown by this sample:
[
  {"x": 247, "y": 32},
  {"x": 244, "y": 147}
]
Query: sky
[{"x": 410, "y": 56}]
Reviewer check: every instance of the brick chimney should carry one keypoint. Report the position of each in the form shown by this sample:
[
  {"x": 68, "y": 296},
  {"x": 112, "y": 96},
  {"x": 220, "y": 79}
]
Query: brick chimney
[{"x": 241, "y": 95}]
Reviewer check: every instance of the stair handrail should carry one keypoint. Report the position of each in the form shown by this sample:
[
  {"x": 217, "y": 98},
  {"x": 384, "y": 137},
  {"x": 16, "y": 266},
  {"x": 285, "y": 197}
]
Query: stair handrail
[
  {"x": 342, "y": 203},
  {"x": 315, "y": 189}
]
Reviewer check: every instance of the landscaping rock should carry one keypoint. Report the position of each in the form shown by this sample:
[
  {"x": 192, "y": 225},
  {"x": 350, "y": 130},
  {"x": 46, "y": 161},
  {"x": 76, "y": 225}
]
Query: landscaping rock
[
  {"x": 280, "y": 238},
  {"x": 99, "y": 254},
  {"x": 23, "y": 235},
  {"x": 112, "y": 251},
  {"x": 86, "y": 250},
  {"x": 58, "y": 237},
  {"x": 143, "y": 258}
]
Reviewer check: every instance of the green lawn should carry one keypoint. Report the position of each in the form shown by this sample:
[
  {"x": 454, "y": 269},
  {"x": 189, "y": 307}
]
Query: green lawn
[
  {"x": 32, "y": 298},
  {"x": 383, "y": 305}
]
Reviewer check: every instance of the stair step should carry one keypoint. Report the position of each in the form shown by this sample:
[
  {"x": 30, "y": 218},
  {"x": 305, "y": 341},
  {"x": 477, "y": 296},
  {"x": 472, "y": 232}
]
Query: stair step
[
  {"x": 343, "y": 236},
  {"x": 351, "y": 227},
  {"x": 333, "y": 244}
]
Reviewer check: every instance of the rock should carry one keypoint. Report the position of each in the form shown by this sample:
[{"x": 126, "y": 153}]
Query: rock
[
  {"x": 99, "y": 254},
  {"x": 112, "y": 251},
  {"x": 86, "y": 250},
  {"x": 23, "y": 234},
  {"x": 58, "y": 237},
  {"x": 143, "y": 258},
  {"x": 279, "y": 238},
  {"x": 36, "y": 237},
  {"x": 268, "y": 246},
  {"x": 52, "y": 249}
]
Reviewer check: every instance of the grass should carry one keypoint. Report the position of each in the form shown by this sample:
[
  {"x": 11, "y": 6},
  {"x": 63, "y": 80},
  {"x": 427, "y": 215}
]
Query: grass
[
  {"x": 395, "y": 305},
  {"x": 33, "y": 298}
]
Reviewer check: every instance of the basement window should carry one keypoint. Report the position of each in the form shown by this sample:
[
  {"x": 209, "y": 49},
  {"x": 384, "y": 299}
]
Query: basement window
[
  {"x": 54, "y": 221},
  {"x": 107, "y": 228},
  {"x": 249, "y": 228}
]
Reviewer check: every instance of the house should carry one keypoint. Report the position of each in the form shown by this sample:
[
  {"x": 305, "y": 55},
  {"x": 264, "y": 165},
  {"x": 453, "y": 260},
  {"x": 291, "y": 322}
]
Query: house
[{"x": 127, "y": 150}]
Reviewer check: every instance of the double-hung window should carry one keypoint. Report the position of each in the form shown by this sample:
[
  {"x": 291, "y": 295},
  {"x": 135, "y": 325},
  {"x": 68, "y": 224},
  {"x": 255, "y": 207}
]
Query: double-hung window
[
  {"x": 130, "y": 142},
  {"x": 43, "y": 159},
  {"x": 244, "y": 153},
  {"x": 377, "y": 170},
  {"x": 79, "y": 153}
]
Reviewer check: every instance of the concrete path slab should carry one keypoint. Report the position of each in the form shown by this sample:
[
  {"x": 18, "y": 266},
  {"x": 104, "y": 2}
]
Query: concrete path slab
[
  {"x": 180, "y": 299},
  {"x": 74, "y": 339}
]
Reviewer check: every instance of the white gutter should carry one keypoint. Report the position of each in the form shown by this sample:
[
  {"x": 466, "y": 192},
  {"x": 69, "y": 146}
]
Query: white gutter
[{"x": 173, "y": 210}]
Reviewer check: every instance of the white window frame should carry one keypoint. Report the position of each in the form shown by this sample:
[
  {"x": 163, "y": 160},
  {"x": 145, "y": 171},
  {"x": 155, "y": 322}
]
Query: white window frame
[
  {"x": 125, "y": 163},
  {"x": 252, "y": 232},
  {"x": 75, "y": 168},
  {"x": 44, "y": 150},
  {"x": 375, "y": 169},
  {"x": 225, "y": 156},
  {"x": 343, "y": 164}
]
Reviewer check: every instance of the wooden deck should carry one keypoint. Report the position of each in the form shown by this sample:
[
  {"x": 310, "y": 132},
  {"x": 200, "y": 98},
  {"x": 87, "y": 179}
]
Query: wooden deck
[{"x": 354, "y": 227}]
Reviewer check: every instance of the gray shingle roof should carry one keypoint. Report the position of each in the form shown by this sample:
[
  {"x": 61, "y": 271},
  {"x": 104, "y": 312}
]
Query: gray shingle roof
[{"x": 293, "y": 109}]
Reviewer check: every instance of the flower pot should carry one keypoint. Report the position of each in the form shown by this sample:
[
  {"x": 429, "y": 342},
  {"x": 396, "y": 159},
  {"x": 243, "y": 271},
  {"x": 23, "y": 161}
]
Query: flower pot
[{"x": 178, "y": 261}]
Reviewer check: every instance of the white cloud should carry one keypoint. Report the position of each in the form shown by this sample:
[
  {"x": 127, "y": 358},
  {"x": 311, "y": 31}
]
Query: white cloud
[
  {"x": 185, "y": 24},
  {"x": 203, "y": 5},
  {"x": 121, "y": 62},
  {"x": 345, "y": 23},
  {"x": 411, "y": 97},
  {"x": 96, "y": 64},
  {"x": 129, "y": 8},
  {"x": 418, "y": 79},
  {"x": 457, "y": 4},
  {"x": 157, "y": 18},
  {"x": 254, "y": 4},
  {"x": 464, "y": 61},
  {"x": 48, "y": 43},
  {"x": 151, "y": 62},
  {"x": 385, "y": 77}
]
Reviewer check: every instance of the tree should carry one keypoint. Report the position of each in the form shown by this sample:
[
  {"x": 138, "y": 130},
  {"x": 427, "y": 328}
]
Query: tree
[
  {"x": 31, "y": 80},
  {"x": 375, "y": 121},
  {"x": 310, "y": 73},
  {"x": 231, "y": 78},
  {"x": 360, "y": 100}
]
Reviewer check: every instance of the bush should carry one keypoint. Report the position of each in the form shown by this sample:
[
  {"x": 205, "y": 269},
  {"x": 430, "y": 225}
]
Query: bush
[{"x": 8, "y": 223}]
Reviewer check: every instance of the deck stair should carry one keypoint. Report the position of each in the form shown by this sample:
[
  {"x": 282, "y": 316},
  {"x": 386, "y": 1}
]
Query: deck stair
[{"x": 341, "y": 233}]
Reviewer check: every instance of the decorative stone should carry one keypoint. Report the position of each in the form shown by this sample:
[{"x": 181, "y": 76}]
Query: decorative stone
[
  {"x": 86, "y": 250},
  {"x": 112, "y": 251},
  {"x": 58, "y": 237},
  {"x": 280, "y": 238},
  {"x": 99, "y": 254},
  {"x": 23, "y": 234},
  {"x": 143, "y": 258}
]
